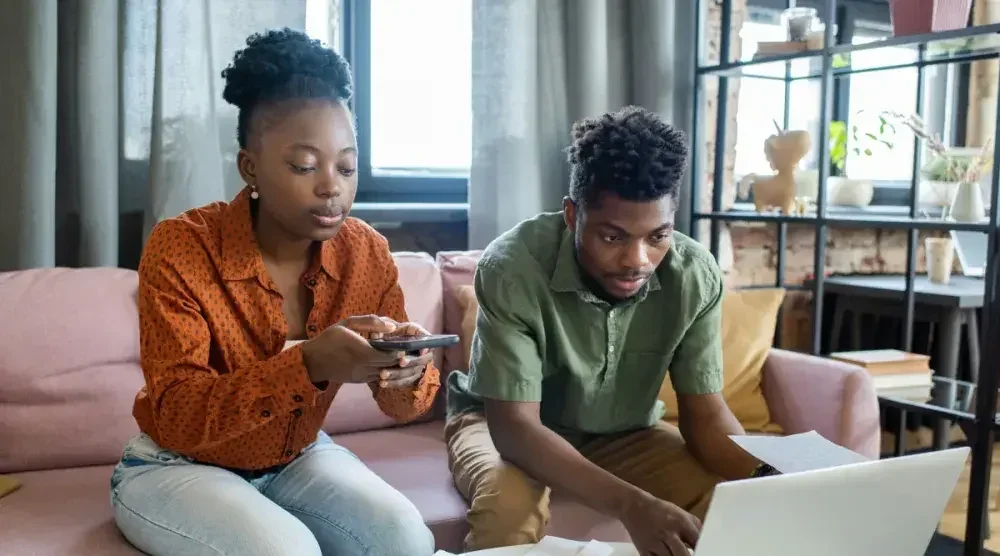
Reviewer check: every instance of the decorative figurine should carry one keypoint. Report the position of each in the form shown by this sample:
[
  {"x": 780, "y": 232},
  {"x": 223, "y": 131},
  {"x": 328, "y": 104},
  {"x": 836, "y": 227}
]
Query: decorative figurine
[{"x": 784, "y": 150}]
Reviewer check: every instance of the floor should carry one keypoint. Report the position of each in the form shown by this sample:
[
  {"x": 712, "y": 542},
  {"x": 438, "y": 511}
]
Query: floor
[{"x": 953, "y": 521}]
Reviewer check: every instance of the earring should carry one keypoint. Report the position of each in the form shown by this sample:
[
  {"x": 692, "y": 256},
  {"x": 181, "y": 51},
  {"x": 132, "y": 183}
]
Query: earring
[{"x": 253, "y": 192}]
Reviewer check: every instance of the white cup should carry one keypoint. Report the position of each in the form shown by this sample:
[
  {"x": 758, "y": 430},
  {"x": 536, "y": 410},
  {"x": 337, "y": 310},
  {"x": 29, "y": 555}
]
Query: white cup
[{"x": 940, "y": 256}]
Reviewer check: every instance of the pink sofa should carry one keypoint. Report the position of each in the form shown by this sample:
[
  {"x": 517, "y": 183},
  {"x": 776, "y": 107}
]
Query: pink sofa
[{"x": 69, "y": 372}]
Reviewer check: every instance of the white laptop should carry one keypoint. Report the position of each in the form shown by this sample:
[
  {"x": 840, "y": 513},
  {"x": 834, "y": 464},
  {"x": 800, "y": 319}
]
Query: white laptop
[
  {"x": 887, "y": 507},
  {"x": 970, "y": 249}
]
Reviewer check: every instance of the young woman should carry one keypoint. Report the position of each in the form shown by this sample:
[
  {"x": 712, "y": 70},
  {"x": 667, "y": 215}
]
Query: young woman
[{"x": 252, "y": 315}]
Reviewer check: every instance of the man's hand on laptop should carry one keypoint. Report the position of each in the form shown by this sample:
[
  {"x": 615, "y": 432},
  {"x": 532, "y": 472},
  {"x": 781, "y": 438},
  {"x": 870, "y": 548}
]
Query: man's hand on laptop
[{"x": 659, "y": 528}]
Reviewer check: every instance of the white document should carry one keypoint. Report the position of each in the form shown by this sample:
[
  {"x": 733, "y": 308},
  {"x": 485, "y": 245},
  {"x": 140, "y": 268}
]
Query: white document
[
  {"x": 797, "y": 452},
  {"x": 443, "y": 553},
  {"x": 596, "y": 548},
  {"x": 557, "y": 546}
]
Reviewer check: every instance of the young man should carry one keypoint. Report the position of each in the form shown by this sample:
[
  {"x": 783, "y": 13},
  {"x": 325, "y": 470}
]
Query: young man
[{"x": 581, "y": 315}]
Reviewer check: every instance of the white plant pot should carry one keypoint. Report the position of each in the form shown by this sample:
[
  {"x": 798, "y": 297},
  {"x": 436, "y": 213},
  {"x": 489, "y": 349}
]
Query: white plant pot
[
  {"x": 936, "y": 193},
  {"x": 847, "y": 192},
  {"x": 839, "y": 191}
]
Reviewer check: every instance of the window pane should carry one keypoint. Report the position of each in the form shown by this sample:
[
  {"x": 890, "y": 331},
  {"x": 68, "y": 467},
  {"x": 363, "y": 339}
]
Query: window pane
[
  {"x": 762, "y": 102},
  {"x": 872, "y": 93},
  {"x": 421, "y": 84}
]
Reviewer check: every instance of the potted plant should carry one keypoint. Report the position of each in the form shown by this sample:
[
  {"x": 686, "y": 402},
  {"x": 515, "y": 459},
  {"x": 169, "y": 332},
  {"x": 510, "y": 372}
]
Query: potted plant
[
  {"x": 916, "y": 17},
  {"x": 852, "y": 191},
  {"x": 948, "y": 169}
]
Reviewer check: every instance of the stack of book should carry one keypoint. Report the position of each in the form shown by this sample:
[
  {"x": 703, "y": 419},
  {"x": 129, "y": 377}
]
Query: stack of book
[{"x": 896, "y": 373}]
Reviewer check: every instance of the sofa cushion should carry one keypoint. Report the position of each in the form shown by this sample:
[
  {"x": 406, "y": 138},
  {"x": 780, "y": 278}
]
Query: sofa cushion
[
  {"x": 414, "y": 460},
  {"x": 469, "y": 305},
  {"x": 420, "y": 281},
  {"x": 748, "y": 321},
  {"x": 62, "y": 511},
  {"x": 457, "y": 269},
  {"x": 76, "y": 502},
  {"x": 69, "y": 367},
  {"x": 354, "y": 409}
]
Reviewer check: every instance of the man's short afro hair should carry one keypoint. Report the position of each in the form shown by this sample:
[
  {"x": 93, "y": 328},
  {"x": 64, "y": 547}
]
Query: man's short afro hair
[
  {"x": 631, "y": 152},
  {"x": 283, "y": 64}
]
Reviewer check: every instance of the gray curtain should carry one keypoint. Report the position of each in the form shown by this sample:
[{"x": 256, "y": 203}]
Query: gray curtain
[
  {"x": 111, "y": 119},
  {"x": 539, "y": 65}
]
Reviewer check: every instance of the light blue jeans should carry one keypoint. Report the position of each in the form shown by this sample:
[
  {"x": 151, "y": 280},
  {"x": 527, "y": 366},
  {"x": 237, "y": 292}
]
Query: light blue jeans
[{"x": 325, "y": 502}]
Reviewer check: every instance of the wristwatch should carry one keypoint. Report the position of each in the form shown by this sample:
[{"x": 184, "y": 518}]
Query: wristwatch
[{"x": 763, "y": 470}]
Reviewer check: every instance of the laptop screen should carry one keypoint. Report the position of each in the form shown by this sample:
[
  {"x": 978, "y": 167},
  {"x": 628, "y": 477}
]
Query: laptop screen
[{"x": 970, "y": 248}]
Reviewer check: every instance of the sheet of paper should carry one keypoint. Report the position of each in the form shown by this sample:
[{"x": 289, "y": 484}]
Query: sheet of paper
[
  {"x": 797, "y": 452},
  {"x": 557, "y": 546},
  {"x": 596, "y": 548},
  {"x": 443, "y": 553}
]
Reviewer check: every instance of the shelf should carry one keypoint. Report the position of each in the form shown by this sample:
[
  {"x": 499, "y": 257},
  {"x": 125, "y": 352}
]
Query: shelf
[
  {"x": 948, "y": 47},
  {"x": 926, "y": 408},
  {"x": 933, "y": 410},
  {"x": 859, "y": 218}
]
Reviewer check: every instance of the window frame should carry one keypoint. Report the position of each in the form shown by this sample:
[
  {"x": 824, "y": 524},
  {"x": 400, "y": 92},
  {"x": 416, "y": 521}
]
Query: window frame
[
  {"x": 398, "y": 185},
  {"x": 887, "y": 193}
]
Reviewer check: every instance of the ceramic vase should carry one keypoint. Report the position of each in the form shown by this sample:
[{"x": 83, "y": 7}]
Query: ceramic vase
[{"x": 968, "y": 204}]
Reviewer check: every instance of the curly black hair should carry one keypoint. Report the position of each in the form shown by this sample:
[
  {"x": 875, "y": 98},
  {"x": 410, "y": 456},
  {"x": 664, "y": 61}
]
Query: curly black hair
[
  {"x": 631, "y": 152},
  {"x": 283, "y": 64}
]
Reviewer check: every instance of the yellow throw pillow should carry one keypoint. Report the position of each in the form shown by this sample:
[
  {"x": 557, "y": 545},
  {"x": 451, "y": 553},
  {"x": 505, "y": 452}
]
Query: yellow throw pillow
[
  {"x": 748, "y": 321},
  {"x": 469, "y": 305}
]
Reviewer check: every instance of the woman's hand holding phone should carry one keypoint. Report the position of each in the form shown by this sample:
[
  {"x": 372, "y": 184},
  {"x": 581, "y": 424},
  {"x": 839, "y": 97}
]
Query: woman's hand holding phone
[{"x": 341, "y": 354}]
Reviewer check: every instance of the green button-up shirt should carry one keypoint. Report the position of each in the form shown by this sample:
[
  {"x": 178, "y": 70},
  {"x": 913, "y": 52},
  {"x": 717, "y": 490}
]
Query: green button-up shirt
[{"x": 596, "y": 368}]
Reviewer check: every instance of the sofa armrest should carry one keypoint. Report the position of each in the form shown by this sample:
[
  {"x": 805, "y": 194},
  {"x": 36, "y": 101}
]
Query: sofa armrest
[{"x": 837, "y": 400}]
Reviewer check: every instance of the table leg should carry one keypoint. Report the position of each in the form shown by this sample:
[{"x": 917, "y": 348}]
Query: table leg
[
  {"x": 899, "y": 447},
  {"x": 949, "y": 342},
  {"x": 856, "y": 322},
  {"x": 837, "y": 325},
  {"x": 972, "y": 330}
]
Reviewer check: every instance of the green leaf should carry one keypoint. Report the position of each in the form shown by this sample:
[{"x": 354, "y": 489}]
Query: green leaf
[
  {"x": 868, "y": 152},
  {"x": 872, "y": 136}
]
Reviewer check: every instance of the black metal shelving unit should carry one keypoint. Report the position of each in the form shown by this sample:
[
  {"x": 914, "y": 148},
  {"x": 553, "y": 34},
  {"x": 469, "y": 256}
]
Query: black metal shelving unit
[{"x": 985, "y": 418}]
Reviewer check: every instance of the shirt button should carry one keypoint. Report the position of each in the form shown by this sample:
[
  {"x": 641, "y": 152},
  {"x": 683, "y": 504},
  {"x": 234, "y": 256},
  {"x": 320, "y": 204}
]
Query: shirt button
[
  {"x": 311, "y": 282},
  {"x": 312, "y": 328},
  {"x": 297, "y": 398},
  {"x": 265, "y": 413},
  {"x": 611, "y": 349},
  {"x": 297, "y": 413},
  {"x": 288, "y": 453}
]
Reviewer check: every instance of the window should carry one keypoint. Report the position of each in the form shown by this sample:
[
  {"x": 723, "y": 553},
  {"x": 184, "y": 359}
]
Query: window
[
  {"x": 413, "y": 101},
  {"x": 762, "y": 101},
  {"x": 868, "y": 98},
  {"x": 421, "y": 84},
  {"x": 857, "y": 99}
]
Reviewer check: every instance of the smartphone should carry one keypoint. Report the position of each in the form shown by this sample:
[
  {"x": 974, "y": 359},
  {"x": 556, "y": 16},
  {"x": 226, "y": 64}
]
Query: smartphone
[{"x": 413, "y": 344}]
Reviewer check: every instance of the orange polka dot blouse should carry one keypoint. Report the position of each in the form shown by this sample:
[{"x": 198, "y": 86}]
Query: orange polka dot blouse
[{"x": 219, "y": 388}]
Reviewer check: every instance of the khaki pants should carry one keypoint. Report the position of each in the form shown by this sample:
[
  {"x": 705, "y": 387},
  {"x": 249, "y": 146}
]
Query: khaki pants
[{"x": 508, "y": 508}]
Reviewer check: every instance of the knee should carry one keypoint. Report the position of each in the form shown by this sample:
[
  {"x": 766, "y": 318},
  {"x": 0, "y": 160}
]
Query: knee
[
  {"x": 508, "y": 491},
  {"x": 398, "y": 529},
  {"x": 278, "y": 535},
  {"x": 508, "y": 509},
  {"x": 289, "y": 538}
]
